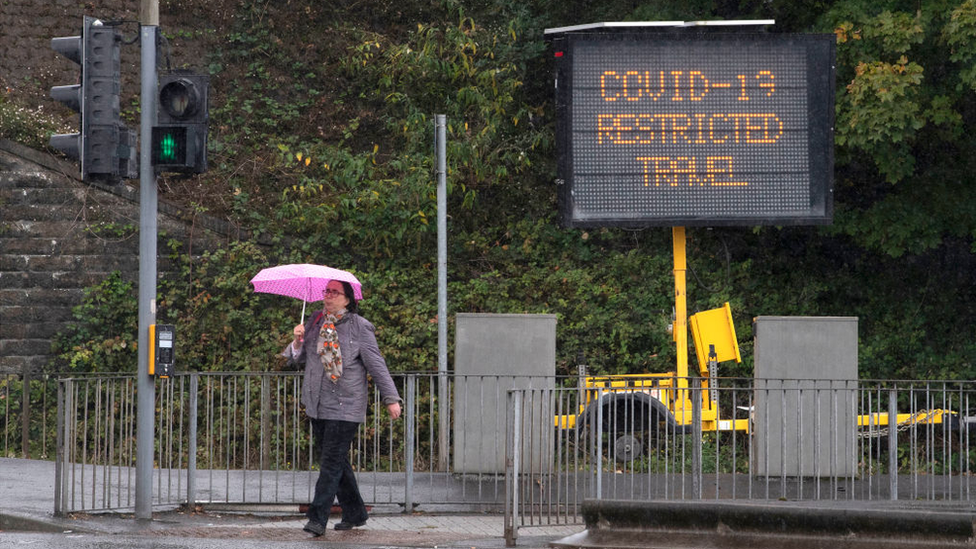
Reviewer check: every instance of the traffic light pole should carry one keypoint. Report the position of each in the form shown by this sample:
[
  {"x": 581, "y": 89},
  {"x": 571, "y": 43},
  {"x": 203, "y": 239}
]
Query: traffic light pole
[{"x": 148, "y": 231}]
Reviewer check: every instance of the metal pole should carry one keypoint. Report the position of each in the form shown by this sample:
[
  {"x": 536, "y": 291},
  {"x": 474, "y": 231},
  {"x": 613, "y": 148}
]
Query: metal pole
[
  {"x": 509, "y": 472},
  {"x": 598, "y": 445},
  {"x": 440, "y": 122},
  {"x": 513, "y": 466},
  {"x": 409, "y": 446},
  {"x": 892, "y": 443},
  {"x": 59, "y": 451},
  {"x": 191, "y": 465},
  {"x": 265, "y": 423},
  {"x": 25, "y": 415},
  {"x": 696, "y": 449},
  {"x": 145, "y": 385}
]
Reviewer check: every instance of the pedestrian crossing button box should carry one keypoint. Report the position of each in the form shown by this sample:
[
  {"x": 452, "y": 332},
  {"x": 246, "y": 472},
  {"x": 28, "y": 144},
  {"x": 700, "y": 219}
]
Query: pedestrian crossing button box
[{"x": 162, "y": 363}]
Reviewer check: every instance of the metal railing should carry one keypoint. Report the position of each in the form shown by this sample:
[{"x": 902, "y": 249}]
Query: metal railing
[
  {"x": 234, "y": 438},
  {"x": 27, "y": 405},
  {"x": 242, "y": 438},
  {"x": 795, "y": 440}
]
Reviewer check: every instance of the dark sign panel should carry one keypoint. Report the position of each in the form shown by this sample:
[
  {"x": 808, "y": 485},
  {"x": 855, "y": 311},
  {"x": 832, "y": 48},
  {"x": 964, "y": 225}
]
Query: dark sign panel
[{"x": 676, "y": 129}]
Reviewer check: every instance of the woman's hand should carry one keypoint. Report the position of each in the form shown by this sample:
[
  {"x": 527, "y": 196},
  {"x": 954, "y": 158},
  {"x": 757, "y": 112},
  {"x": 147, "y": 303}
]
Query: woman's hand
[
  {"x": 394, "y": 409},
  {"x": 299, "y": 332}
]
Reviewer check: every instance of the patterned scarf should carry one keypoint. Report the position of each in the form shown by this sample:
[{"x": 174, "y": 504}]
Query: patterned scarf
[{"x": 328, "y": 346}]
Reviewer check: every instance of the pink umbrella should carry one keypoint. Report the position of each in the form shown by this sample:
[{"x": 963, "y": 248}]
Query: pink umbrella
[{"x": 302, "y": 281}]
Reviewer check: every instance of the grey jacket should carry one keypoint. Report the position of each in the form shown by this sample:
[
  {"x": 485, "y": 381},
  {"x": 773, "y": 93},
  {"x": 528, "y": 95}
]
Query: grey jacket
[{"x": 347, "y": 399}]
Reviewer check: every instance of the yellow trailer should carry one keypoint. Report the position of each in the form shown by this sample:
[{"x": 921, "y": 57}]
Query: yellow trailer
[{"x": 630, "y": 406}]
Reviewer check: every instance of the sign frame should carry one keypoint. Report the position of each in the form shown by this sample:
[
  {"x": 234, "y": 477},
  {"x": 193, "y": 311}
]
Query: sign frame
[{"x": 818, "y": 53}]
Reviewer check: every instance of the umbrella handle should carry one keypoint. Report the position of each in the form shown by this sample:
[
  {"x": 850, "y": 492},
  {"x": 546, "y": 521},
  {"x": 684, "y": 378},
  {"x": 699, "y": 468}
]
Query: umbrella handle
[{"x": 308, "y": 288}]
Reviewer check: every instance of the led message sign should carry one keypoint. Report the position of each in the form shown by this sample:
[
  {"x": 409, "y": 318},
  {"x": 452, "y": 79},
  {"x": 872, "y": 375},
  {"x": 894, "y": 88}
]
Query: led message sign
[{"x": 694, "y": 129}]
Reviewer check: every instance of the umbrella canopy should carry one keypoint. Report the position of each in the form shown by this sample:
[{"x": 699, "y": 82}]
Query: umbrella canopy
[{"x": 302, "y": 281}]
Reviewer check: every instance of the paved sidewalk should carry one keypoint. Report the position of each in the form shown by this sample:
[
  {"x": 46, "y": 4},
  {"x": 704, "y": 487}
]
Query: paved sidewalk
[
  {"x": 27, "y": 504},
  {"x": 413, "y": 530}
]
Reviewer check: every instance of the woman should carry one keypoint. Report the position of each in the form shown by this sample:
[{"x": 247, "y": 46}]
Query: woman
[{"x": 338, "y": 354}]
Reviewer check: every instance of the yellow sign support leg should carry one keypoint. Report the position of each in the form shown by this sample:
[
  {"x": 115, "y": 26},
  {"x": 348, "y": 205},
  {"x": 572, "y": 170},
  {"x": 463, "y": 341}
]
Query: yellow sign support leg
[
  {"x": 680, "y": 328},
  {"x": 680, "y": 305}
]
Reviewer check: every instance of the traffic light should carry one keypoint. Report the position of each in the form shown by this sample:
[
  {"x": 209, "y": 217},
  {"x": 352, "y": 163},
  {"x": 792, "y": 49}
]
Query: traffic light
[
  {"x": 105, "y": 147},
  {"x": 179, "y": 140},
  {"x": 71, "y": 144}
]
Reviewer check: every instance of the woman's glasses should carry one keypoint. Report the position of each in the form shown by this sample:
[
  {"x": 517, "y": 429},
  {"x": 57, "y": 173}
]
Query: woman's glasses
[{"x": 333, "y": 293}]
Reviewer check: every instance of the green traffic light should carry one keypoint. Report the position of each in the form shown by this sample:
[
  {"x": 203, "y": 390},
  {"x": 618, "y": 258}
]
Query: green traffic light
[{"x": 167, "y": 148}]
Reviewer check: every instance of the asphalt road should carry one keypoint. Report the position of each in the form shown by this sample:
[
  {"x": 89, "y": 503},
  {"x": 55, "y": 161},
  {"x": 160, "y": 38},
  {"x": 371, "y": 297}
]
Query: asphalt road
[{"x": 13, "y": 540}]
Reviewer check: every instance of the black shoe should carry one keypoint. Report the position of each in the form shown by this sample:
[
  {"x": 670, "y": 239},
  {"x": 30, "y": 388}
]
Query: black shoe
[
  {"x": 349, "y": 525},
  {"x": 315, "y": 528}
]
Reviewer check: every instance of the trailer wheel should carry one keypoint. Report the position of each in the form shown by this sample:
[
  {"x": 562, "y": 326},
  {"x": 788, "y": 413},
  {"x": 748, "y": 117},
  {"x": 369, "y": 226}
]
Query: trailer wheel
[
  {"x": 627, "y": 426},
  {"x": 627, "y": 448}
]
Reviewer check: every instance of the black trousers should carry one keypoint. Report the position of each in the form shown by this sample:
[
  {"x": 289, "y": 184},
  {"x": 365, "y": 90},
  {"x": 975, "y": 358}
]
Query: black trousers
[{"x": 333, "y": 438}]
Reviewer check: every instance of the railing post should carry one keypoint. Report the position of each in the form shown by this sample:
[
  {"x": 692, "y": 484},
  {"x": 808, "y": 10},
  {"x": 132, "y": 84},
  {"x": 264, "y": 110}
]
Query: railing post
[
  {"x": 893, "y": 443},
  {"x": 512, "y": 467},
  {"x": 59, "y": 452},
  {"x": 580, "y": 383},
  {"x": 598, "y": 445},
  {"x": 409, "y": 442},
  {"x": 696, "y": 447},
  {"x": 191, "y": 462},
  {"x": 443, "y": 422},
  {"x": 265, "y": 422},
  {"x": 25, "y": 415}
]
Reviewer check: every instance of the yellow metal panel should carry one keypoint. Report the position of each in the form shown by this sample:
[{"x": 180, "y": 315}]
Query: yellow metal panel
[
  {"x": 152, "y": 349},
  {"x": 714, "y": 327}
]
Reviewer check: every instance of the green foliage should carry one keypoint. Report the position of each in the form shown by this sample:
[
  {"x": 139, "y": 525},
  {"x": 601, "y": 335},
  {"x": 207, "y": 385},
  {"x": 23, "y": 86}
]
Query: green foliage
[
  {"x": 915, "y": 219},
  {"x": 366, "y": 181},
  {"x": 111, "y": 230},
  {"x": 960, "y": 34},
  {"x": 221, "y": 323},
  {"x": 879, "y": 114},
  {"x": 28, "y": 125},
  {"x": 474, "y": 76},
  {"x": 883, "y": 106},
  {"x": 895, "y": 103},
  {"x": 401, "y": 301},
  {"x": 615, "y": 316},
  {"x": 255, "y": 109},
  {"x": 894, "y": 32},
  {"x": 104, "y": 338},
  {"x": 352, "y": 200},
  {"x": 322, "y": 142}
]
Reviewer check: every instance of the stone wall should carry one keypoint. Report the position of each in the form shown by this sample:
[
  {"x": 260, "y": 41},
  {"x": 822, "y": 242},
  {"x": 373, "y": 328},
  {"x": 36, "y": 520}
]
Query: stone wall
[{"x": 59, "y": 235}]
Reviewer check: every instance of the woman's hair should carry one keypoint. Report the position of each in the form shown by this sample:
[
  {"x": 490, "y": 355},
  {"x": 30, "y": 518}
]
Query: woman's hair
[{"x": 353, "y": 306}]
